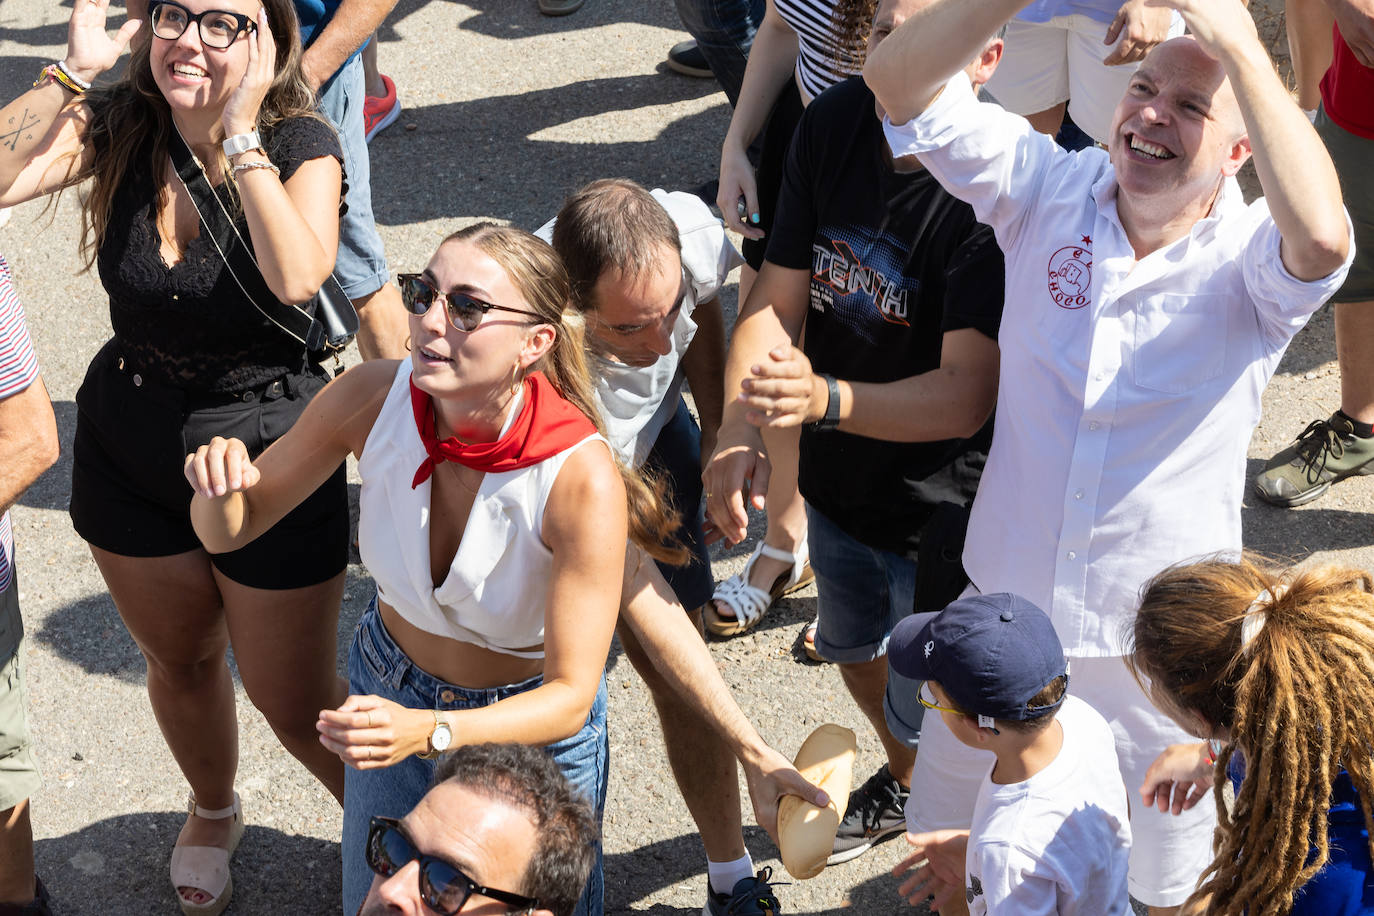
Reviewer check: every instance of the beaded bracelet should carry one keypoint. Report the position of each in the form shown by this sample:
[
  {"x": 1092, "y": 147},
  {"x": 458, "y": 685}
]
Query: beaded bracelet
[
  {"x": 72, "y": 80},
  {"x": 247, "y": 166},
  {"x": 63, "y": 77}
]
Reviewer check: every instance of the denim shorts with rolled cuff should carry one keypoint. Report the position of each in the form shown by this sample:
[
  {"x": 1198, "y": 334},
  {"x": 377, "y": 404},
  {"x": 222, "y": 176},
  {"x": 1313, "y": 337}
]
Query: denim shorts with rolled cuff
[
  {"x": 861, "y": 592},
  {"x": 377, "y": 666}
]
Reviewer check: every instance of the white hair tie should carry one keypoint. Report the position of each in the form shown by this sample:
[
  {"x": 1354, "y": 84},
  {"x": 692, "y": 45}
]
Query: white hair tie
[{"x": 1256, "y": 615}]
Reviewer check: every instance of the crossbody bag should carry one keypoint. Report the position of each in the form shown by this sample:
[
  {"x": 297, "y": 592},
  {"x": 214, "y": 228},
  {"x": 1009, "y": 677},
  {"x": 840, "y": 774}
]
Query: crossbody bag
[{"x": 326, "y": 324}]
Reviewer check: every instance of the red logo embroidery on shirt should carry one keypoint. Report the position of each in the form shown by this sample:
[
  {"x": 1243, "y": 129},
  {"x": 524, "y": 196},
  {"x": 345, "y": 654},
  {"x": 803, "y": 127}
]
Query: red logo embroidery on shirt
[{"x": 1071, "y": 275}]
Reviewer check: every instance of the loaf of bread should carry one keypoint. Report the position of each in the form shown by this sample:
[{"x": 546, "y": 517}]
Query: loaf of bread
[{"x": 806, "y": 834}]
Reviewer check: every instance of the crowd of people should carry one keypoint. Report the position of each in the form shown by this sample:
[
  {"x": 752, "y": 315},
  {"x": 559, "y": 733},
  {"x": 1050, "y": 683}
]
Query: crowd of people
[{"x": 995, "y": 255}]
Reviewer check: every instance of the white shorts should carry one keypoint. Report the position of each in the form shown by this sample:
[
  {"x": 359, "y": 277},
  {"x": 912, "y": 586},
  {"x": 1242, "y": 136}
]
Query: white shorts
[
  {"x": 1046, "y": 63},
  {"x": 1168, "y": 853}
]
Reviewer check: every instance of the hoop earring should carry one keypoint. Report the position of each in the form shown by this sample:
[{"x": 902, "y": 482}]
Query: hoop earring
[
  {"x": 515, "y": 378},
  {"x": 407, "y": 343}
]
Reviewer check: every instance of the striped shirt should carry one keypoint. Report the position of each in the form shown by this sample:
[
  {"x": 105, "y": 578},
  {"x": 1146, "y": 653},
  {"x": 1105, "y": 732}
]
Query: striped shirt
[
  {"x": 817, "y": 43},
  {"x": 18, "y": 369}
]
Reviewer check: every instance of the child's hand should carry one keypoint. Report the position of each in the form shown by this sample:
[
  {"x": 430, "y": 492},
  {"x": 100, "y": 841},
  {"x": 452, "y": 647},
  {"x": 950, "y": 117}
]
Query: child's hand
[
  {"x": 936, "y": 867},
  {"x": 1179, "y": 778}
]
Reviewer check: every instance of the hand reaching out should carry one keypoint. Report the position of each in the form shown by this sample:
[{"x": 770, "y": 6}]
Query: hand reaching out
[
  {"x": 1179, "y": 778},
  {"x": 769, "y": 779},
  {"x": 1139, "y": 27},
  {"x": 369, "y": 732},
  {"x": 936, "y": 867},
  {"x": 90, "y": 49}
]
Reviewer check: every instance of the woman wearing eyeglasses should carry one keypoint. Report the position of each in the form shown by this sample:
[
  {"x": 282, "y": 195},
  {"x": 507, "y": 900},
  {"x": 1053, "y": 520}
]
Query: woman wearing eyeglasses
[
  {"x": 192, "y": 358},
  {"x": 493, "y": 519}
]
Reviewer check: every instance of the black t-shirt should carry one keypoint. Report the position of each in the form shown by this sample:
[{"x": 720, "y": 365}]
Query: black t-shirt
[
  {"x": 895, "y": 262},
  {"x": 189, "y": 325}
]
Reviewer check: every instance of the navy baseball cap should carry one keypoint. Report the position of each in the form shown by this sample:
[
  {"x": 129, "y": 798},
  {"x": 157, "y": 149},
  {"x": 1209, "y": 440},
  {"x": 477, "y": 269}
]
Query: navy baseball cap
[{"x": 990, "y": 653}]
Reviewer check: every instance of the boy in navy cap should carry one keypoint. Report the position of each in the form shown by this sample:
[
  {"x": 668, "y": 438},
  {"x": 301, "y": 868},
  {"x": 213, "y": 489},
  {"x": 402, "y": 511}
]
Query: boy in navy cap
[{"x": 1050, "y": 829}]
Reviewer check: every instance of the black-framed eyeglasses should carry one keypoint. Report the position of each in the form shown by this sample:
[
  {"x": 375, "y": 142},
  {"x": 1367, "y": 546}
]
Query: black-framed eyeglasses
[
  {"x": 464, "y": 312},
  {"x": 218, "y": 28},
  {"x": 443, "y": 887}
]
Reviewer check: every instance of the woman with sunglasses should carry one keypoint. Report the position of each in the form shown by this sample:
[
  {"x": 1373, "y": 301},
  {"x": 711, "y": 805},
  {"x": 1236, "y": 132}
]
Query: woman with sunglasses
[
  {"x": 493, "y": 518},
  {"x": 191, "y": 358}
]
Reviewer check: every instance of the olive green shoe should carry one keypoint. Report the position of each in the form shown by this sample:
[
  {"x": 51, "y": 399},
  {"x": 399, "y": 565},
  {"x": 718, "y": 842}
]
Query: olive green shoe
[{"x": 1327, "y": 451}]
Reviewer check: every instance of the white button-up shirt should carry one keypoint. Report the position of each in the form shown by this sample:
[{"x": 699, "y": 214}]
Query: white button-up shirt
[{"x": 1129, "y": 389}]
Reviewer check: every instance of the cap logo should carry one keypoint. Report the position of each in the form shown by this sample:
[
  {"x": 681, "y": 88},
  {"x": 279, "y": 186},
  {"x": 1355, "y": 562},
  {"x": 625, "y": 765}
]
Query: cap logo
[{"x": 930, "y": 647}]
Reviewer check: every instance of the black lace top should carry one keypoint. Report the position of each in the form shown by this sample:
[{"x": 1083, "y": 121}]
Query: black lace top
[{"x": 190, "y": 326}]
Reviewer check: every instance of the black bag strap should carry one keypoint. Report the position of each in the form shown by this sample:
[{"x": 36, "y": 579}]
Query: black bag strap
[{"x": 299, "y": 324}]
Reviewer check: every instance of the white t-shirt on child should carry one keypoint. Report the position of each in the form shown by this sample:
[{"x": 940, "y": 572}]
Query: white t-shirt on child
[{"x": 1059, "y": 841}]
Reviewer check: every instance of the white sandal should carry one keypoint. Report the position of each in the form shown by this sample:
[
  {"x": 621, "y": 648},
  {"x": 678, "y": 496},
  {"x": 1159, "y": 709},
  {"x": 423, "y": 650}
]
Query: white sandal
[
  {"x": 206, "y": 868},
  {"x": 749, "y": 602}
]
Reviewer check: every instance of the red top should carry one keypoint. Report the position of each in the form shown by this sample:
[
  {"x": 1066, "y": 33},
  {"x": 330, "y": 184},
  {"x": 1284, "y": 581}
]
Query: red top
[
  {"x": 547, "y": 424},
  {"x": 1348, "y": 91}
]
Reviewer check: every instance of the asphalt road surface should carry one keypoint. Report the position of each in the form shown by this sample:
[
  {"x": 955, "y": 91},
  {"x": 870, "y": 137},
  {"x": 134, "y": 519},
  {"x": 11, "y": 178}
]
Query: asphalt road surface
[{"x": 505, "y": 112}]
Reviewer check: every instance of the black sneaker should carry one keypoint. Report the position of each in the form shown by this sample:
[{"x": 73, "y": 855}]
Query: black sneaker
[
  {"x": 874, "y": 815},
  {"x": 686, "y": 58},
  {"x": 750, "y": 897}
]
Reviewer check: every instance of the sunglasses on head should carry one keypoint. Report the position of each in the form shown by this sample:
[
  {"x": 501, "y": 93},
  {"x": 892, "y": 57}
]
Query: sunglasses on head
[
  {"x": 443, "y": 887},
  {"x": 464, "y": 312},
  {"x": 218, "y": 28}
]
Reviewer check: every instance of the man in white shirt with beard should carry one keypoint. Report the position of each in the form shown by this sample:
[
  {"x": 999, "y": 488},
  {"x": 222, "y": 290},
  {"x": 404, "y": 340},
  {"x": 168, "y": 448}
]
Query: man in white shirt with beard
[{"x": 1148, "y": 308}]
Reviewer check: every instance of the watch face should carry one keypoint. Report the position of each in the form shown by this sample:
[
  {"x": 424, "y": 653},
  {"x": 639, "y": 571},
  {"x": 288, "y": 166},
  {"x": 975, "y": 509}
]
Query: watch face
[{"x": 441, "y": 737}]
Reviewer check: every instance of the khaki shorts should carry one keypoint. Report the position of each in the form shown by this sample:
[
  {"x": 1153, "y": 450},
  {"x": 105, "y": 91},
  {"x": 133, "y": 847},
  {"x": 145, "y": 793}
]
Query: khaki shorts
[
  {"x": 1352, "y": 156},
  {"x": 18, "y": 769}
]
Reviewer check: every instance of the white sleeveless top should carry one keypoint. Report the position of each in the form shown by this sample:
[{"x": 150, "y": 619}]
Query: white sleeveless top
[{"x": 497, "y": 588}]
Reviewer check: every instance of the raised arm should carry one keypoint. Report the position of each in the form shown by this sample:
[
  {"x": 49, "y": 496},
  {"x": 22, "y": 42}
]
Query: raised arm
[
  {"x": 43, "y": 131},
  {"x": 236, "y": 499},
  {"x": 1295, "y": 171},
  {"x": 908, "y": 68},
  {"x": 294, "y": 224}
]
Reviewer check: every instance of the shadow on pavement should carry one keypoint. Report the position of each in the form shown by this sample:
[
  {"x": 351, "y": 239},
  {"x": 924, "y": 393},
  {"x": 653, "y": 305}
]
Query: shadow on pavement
[
  {"x": 464, "y": 150},
  {"x": 89, "y": 632},
  {"x": 119, "y": 865}
]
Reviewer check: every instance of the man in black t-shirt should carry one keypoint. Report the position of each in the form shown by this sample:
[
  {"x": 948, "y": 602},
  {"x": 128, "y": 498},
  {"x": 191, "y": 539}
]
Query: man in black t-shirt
[{"x": 896, "y": 291}]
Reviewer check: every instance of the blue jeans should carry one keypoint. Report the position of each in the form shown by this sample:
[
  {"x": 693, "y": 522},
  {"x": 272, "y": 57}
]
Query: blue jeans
[
  {"x": 861, "y": 593},
  {"x": 724, "y": 30},
  {"x": 376, "y": 665},
  {"x": 360, "y": 266},
  {"x": 677, "y": 455}
]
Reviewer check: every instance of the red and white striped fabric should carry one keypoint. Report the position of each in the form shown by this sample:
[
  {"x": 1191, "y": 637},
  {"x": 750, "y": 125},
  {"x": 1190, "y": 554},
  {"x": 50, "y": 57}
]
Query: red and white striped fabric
[{"x": 18, "y": 369}]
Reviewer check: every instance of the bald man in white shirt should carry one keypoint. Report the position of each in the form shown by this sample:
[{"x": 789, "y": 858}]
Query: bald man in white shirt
[{"x": 1148, "y": 307}]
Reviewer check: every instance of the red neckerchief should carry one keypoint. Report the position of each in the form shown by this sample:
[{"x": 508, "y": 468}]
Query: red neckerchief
[{"x": 547, "y": 425}]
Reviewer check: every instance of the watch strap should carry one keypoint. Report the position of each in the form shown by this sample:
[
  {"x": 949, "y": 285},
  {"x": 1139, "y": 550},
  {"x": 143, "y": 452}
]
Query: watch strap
[
  {"x": 831, "y": 419},
  {"x": 241, "y": 143}
]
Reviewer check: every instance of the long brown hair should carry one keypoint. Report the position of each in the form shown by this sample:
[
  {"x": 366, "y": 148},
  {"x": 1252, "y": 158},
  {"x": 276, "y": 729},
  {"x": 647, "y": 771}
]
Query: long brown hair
[
  {"x": 133, "y": 111},
  {"x": 1296, "y": 702},
  {"x": 852, "y": 20},
  {"x": 535, "y": 269}
]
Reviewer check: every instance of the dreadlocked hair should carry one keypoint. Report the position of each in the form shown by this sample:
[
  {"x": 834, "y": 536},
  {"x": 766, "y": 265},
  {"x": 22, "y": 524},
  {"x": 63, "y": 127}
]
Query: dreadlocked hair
[
  {"x": 132, "y": 114},
  {"x": 851, "y": 21},
  {"x": 1295, "y": 702},
  {"x": 535, "y": 269}
]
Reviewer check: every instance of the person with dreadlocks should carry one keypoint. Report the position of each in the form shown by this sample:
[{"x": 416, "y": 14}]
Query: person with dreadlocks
[{"x": 1274, "y": 669}]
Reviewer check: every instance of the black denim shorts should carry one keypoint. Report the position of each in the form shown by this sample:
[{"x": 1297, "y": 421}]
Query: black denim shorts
[{"x": 130, "y": 496}]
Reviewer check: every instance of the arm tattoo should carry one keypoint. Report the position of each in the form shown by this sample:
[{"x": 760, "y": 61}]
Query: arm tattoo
[{"x": 20, "y": 127}]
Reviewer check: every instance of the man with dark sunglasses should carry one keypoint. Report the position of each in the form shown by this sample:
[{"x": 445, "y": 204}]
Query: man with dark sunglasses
[{"x": 502, "y": 831}]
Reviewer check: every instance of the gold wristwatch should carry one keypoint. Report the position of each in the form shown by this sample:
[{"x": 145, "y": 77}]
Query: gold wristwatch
[{"x": 439, "y": 739}]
